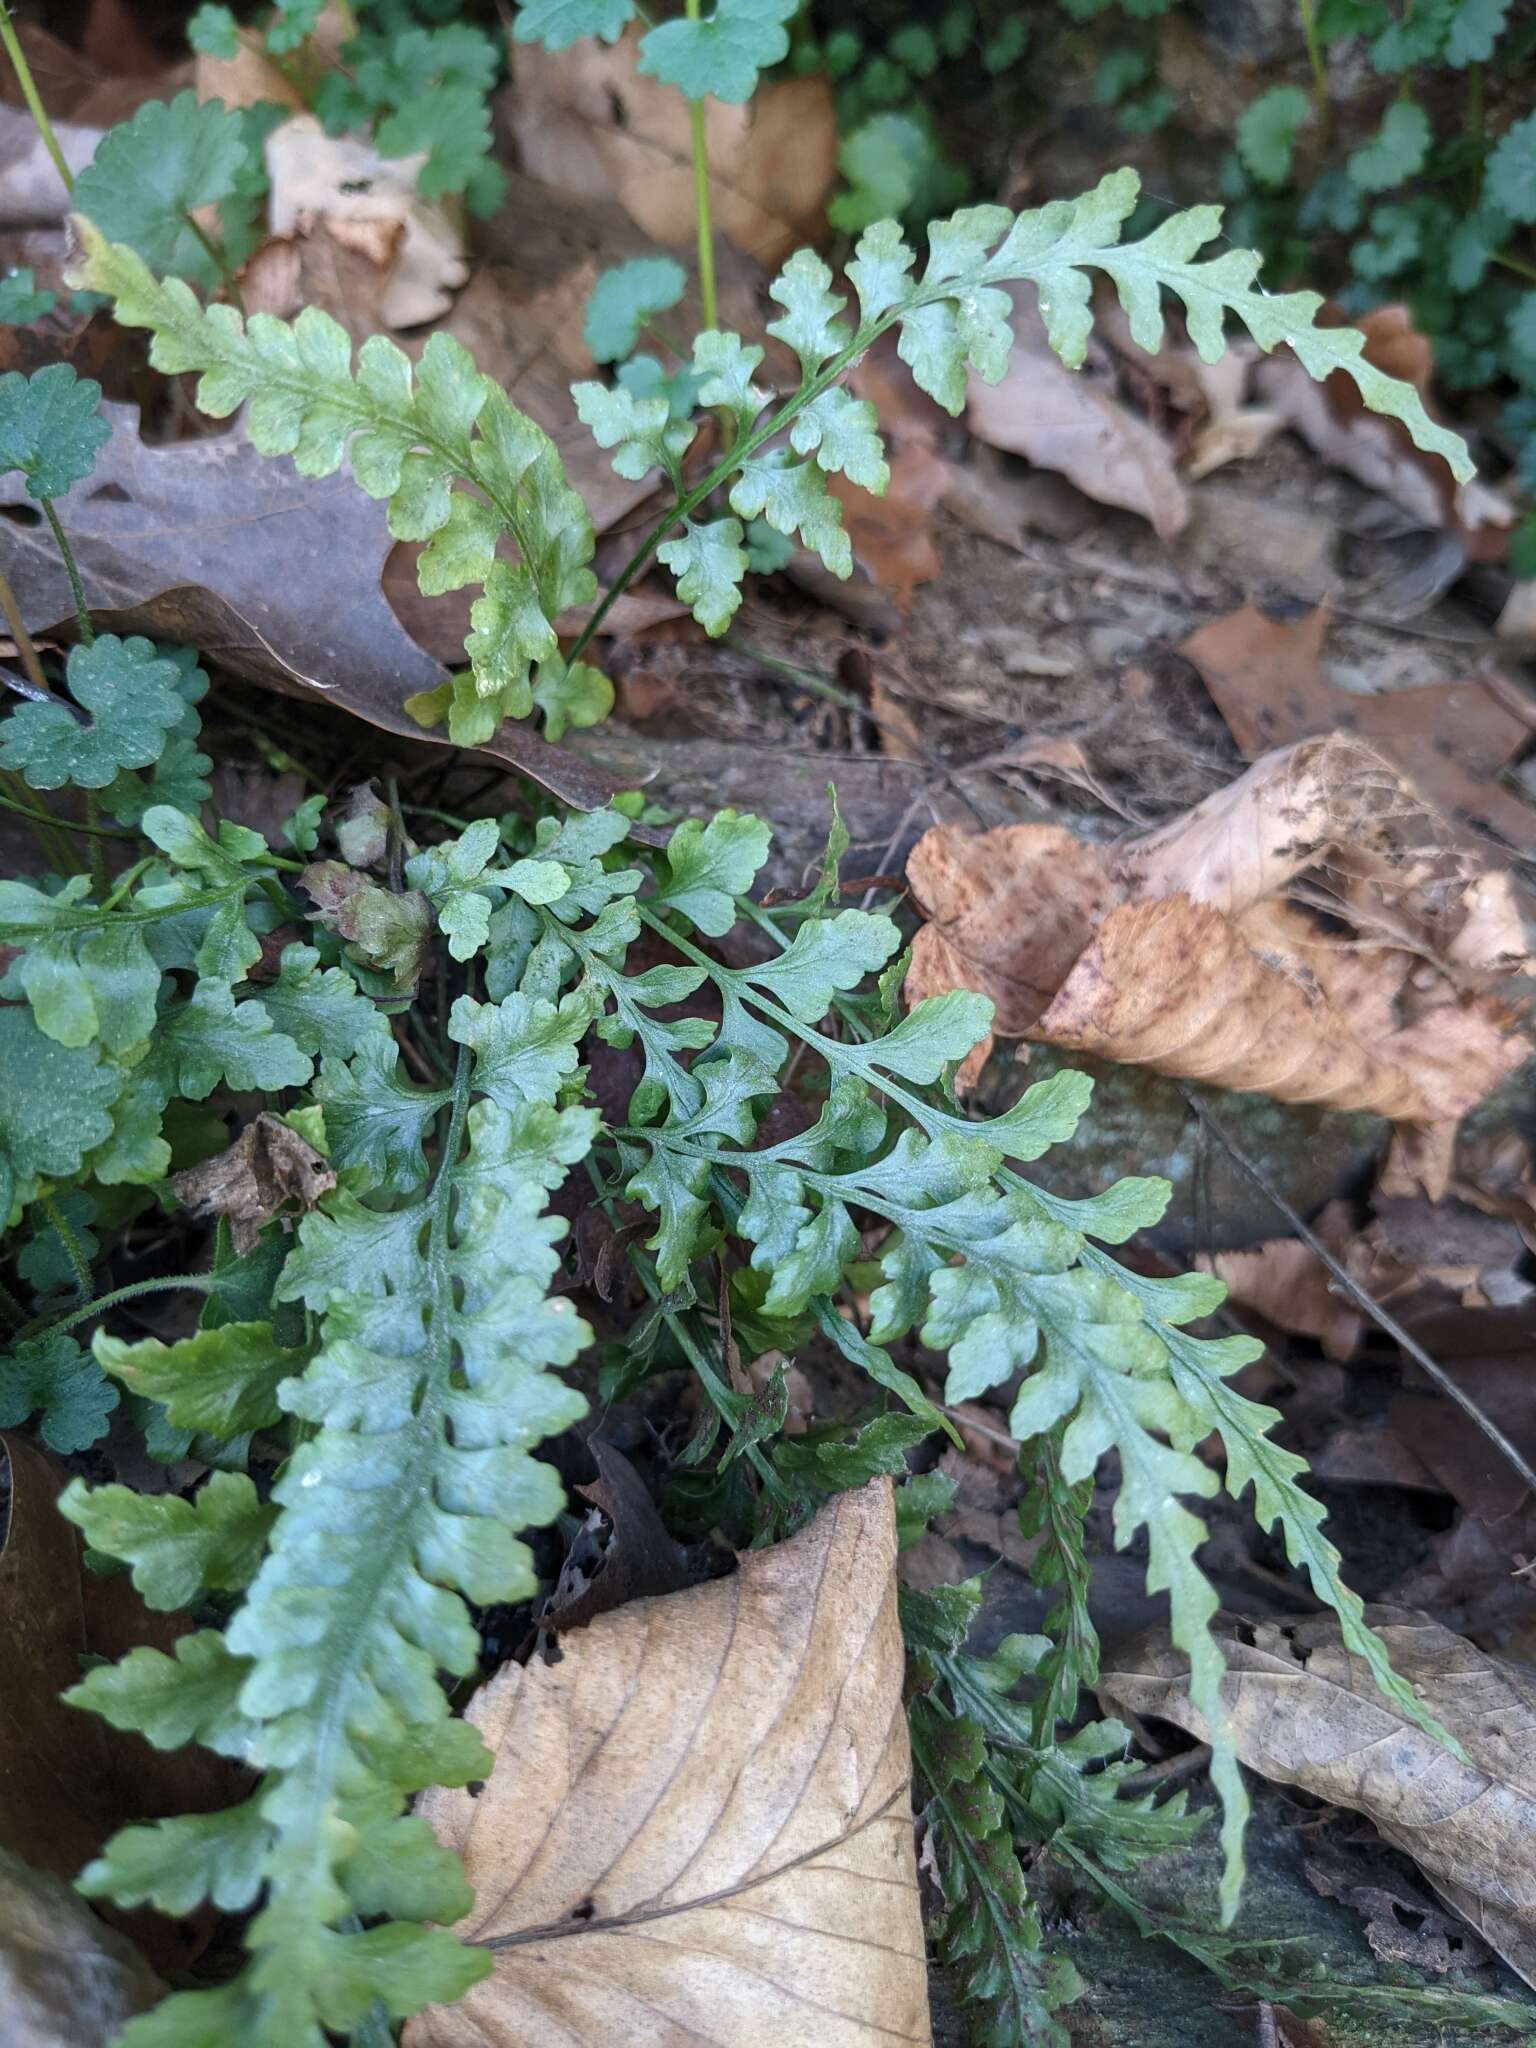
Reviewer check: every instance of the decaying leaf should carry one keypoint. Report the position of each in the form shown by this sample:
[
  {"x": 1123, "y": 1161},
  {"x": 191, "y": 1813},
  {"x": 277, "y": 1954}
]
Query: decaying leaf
[
  {"x": 1071, "y": 421},
  {"x": 1303, "y": 1712},
  {"x": 67, "y": 1780},
  {"x": 1266, "y": 678},
  {"x": 369, "y": 203},
  {"x": 588, "y": 121},
  {"x": 1285, "y": 1281},
  {"x": 67, "y": 1980},
  {"x": 268, "y": 1167},
  {"x": 1178, "y": 951},
  {"x": 698, "y": 1828},
  {"x": 1378, "y": 451}
]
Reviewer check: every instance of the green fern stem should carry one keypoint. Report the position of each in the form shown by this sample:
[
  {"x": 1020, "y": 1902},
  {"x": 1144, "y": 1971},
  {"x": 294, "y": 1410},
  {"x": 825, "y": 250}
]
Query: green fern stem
[{"x": 12, "y": 45}]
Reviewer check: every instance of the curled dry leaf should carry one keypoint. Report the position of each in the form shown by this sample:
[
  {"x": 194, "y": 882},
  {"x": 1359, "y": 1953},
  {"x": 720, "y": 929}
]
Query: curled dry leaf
[
  {"x": 586, "y": 120},
  {"x": 268, "y": 1167},
  {"x": 698, "y": 1832},
  {"x": 1377, "y": 451},
  {"x": 1451, "y": 740},
  {"x": 1302, "y": 1711},
  {"x": 162, "y": 538},
  {"x": 1176, "y": 950},
  {"x": 1071, "y": 421}
]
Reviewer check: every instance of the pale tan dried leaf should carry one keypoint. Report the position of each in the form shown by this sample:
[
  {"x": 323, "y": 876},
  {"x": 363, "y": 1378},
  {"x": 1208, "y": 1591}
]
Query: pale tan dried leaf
[
  {"x": 1302, "y": 1711},
  {"x": 697, "y": 1832},
  {"x": 1517, "y": 621},
  {"x": 247, "y": 78},
  {"x": 1071, "y": 421},
  {"x": 369, "y": 203},
  {"x": 67, "y": 1980},
  {"x": 1451, "y": 740},
  {"x": 1175, "y": 986},
  {"x": 1248, "y": 840},
  {"x": 586, "y": 120}
]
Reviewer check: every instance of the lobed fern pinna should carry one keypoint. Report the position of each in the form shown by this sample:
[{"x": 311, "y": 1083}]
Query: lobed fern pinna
[{"x": 372, "y": 1391}]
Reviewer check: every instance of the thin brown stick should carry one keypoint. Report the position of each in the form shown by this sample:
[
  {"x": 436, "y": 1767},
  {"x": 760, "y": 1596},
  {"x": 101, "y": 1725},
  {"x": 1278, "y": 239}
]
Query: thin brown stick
[{"x": 1363, "y": 1301}]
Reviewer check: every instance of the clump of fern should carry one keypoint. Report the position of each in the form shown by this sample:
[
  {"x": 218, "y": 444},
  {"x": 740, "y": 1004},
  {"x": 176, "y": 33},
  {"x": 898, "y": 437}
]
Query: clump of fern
[{"x": 373, "y": 1389}]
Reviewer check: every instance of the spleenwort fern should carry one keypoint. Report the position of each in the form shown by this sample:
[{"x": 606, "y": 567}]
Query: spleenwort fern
[{"x": 427, "y": 1391}]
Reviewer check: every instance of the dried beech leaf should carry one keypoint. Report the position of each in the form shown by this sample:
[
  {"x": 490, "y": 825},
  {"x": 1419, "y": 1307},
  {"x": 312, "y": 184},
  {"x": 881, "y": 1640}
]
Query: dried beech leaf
[
  {"x": 1301, "y": 1711},
  {"x": 1071, "y": 421},
  {"x": 1175, "y": 986},
  {"x": 698, "y": 1831},
  {"x": 1179, "y": 950}
]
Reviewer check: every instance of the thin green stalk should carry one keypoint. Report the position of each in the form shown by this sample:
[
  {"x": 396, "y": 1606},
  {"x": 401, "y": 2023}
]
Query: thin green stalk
[
  {"x": 76, "y": 587},
  {"x": 1321, "y": 107},
  {"x": 192, "y": 1283},
  {"x": 47, "y": 818},
  {"x": 44, "y": 827},
  {"x": 74, "y": 1250},
  {"x": 29, "y": 93},
  {"x": 1520, "y": 269},
  {"x": 701, "y": 205},
  {"x": 217, "y": 257}
]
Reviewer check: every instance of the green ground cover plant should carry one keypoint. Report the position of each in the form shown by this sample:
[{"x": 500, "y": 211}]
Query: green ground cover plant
[{"x": 370, "y": 1392}]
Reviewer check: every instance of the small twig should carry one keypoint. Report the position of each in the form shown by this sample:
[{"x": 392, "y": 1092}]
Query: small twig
[
  {"x": 19, "y": 633},
  {"x": 1363, "y": 1301}
]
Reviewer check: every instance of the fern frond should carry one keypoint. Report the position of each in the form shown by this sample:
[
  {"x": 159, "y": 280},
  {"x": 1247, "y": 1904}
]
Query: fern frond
[
  {"x": 458, "y": 465},
  {"x": 953, "y": 320},
  {"x": 427, "y": 1395}
]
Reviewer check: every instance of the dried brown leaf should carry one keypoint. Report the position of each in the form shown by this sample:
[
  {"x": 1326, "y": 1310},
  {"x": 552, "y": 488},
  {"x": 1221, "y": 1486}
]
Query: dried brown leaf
[
  {"x": 698, "y": 1830},
  {"x": 1071, "y": 421},
  {"x": 1175, "y": 986},
  {"x": 1286, "y": 1283},
  {"x": 586, "y": 120},
  {"x": 1302, "y": 1711},
  {"x": 163, "y": 539},
  {"x": 67, "y": 1780},
  {"x": 1450, "y": 740},
  {"x": 268, "y": 1167}
]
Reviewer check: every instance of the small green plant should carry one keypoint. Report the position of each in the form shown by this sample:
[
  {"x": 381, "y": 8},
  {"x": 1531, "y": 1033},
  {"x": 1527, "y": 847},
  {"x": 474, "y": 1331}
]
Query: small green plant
[
  {"x": 1434, "y": 207},
  {"x": 371, "y": 1391}
]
